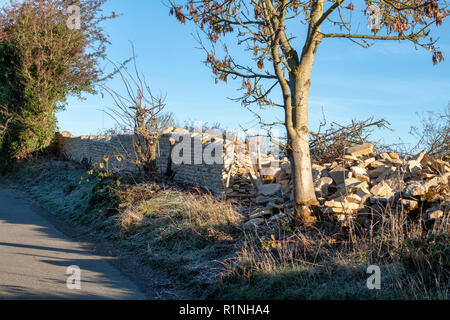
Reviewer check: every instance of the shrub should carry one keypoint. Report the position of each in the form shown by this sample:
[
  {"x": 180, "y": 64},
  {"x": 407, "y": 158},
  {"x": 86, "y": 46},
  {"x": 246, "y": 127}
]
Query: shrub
[{"x": 42, "y": 61}]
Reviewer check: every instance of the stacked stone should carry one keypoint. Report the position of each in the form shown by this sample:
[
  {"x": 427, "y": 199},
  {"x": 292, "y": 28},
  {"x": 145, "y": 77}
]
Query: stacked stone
[
  {"x": 89, "y": 150},
  {"x": 249, "y": 171},
  {"x": 360, "y": 182},
  {"x": 363, "y": 182},
  {"x": 121, "y": 156},
  {"x": 240, "y": 175},
  {"x": 194, "y": 170}
]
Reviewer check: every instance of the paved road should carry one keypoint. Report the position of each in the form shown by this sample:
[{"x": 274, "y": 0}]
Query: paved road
[{"x": 34, "y": 257}]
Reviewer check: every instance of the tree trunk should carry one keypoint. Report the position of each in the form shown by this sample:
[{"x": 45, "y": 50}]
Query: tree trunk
[
  {"x": 295, "y": 98},
  {"x": 151, "y": 166},
  {"x": 304, "y": 194},
  {"x": 300, "y": 83}
]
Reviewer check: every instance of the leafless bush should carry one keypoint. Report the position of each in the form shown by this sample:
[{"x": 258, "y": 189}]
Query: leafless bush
[
  {"x": 140, "y": 112},
  {"x": 330, "y": 141},
  {"x": 433, "y": 133}
]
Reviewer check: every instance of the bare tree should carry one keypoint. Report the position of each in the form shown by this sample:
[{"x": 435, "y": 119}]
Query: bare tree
[
  {"x": 141, "y": 113},
  {"x": 433, "y": 134},
  {"x": 261, "y": 28}
]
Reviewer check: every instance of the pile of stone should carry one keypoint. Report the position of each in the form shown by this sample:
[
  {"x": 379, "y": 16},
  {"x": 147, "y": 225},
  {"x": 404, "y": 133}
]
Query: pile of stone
[
  {"x": 246, "y": 171},
  {"x": 245, "y": 167},
  {"x": 240, "y": 176},
  {"x": 363, "y": 182}
]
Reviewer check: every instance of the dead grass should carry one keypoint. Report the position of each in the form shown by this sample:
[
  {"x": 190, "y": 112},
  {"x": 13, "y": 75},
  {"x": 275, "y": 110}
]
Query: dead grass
[
  {"x": 191, "y": 214},
  {"x": 186, "y": 234},
  {"x": 317, "y": 263}
]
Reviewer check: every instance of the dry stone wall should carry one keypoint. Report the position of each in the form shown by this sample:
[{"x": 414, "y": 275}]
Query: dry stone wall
[
  {"x": 193, "y": 170},
  {"x": 92, "y": 149}
]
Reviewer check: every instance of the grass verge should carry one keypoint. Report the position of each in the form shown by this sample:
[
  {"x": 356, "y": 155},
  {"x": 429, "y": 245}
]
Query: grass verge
[{"x": 199, "y": 241}]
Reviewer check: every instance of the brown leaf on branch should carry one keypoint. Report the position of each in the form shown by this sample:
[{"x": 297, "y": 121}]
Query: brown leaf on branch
[
  {"x": 260, "y": 64},
  {"x": 438, "y": 57}
]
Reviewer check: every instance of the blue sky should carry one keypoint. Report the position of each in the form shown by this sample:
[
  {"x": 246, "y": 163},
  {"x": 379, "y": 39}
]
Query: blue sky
[{"x": 391, "y": 80}]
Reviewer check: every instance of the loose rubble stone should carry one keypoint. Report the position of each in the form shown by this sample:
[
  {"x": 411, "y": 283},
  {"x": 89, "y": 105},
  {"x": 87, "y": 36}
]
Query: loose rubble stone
[
  {"x": 254, "y": 224},
  {"x": 279, "y": 218},
  {"x": 396, "y": 183},
  {"x": 341, "y": 206},
  {"x": 262, "y": 200},
  {"x": 393, "y": 155},
  {"x": 433, "y": 214},
  {"x": 414, "y": 166},
  {"x": 359, "y": 185},
  {"x": 359, "y": 150},
  {"x": 385, "y": 156},
  {"x": 351, "y": 182},
  {"x": 339, "y": 174},
  {"x": 440, "y": 166},
  {"x": 437, "y": 181},
  {"x": 348, "y": 157},
  {"x": 275, "y": 206},
  {"x": 261, "y": 213},
  {"x": 364, "y": 194},
  {"x": 345, "y": 186},
  {"x": 369, "y": 161},
  {"x": 354, "y": 198},
  {"x": 360, "y": 174},
  {"x": 410, "y": 204},
  {"x": 420, "y": 156},
  {"x": 382, "y": 190},
  {"x": 397, "y": 162},
  {"x": 379, "y": 171},
  {"x": 389, "y": 173},
  {"x": 318, "y": 171},
  {"x": 414, "y": 189},
  {"x": 322, "y": 185},
  {"x": 376, "y": 164},
  {"x": 270, "y": 189}
]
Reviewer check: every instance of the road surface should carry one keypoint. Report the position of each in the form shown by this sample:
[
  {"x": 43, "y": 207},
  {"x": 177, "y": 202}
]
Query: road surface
[{"x": 35, "y": 256}]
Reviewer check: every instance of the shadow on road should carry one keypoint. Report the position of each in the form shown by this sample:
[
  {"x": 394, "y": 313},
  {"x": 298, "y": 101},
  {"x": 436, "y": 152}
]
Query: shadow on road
[{"x": 34, "y": 257}]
